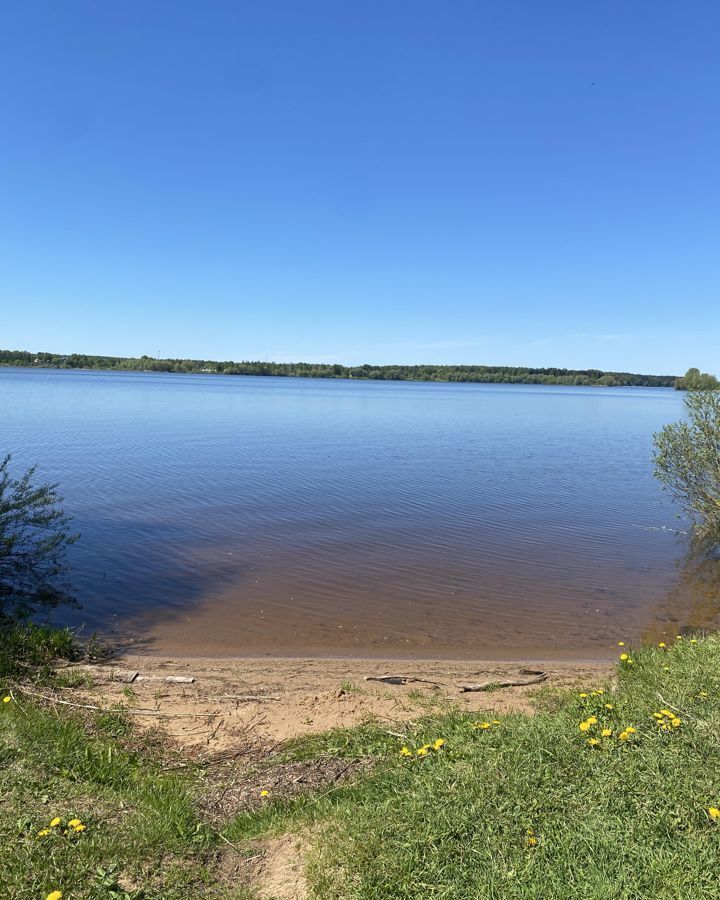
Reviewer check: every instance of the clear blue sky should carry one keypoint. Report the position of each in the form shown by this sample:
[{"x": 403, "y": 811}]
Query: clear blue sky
[{"x": 480, "y": 182}]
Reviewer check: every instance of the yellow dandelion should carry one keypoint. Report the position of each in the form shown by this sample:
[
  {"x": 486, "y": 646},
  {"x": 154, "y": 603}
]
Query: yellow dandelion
[
  {"x": 583, "y": 695},
  {"x": 422, "y": 751},
  {"x": 693, "y": 641},
  {"x": 624, "y": 657},
  {"x": 666, "y": 712},
  {"x": 714, "y": 813},
  {"x": 606, "y": 732},
  {"x": 7, "y": 699},
  {"x": 593, "y": 742},
  {"x": 80, "y": 827},
  {"x": 631, "y": 730},
  {"x": 264, "y": 793},
  {"x": 73, "y": 823},
  {"x": 585, "y": 726},
  {"x": 623, "y": 736},
  {"x": 532, "y": 841},
  {"x": 676, "y": 723},
  {"x": 609, "y": 706},
  {"x": 438, "y": 744},
  {"x": 621, "y": 643},
  {"x": 662, "y": 645},
  {"x": 55, "y": 822},
  {"x": 678, "y": 637},
  {"x": 666, "y": 668},
  {"x": 54, "y": 895},
  {"x": 44, "y": 832}
]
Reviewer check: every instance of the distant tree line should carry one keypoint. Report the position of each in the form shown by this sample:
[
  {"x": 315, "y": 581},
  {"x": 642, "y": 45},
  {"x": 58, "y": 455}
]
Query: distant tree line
[
  {"x": 491, "y": 374},
  {"x": 695, "y": 380}
]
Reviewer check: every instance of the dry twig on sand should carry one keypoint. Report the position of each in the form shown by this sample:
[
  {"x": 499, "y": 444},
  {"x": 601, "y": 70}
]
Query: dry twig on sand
[{"x": 536, "y": 678}]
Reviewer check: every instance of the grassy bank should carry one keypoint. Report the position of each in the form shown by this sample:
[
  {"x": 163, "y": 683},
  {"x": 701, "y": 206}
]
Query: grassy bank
[{"x": 456, "y": 807}]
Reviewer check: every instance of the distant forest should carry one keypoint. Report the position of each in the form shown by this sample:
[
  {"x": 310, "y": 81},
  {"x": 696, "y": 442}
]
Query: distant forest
[{"x": 492, "y": 374}]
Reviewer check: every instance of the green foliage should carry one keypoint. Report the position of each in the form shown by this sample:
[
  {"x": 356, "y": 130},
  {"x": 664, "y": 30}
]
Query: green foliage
[
  {"x": 695, "y": 380},
  {"x": 26, "y": 647},
  {"x": 687, "y": 461},
  {"x": 367, "y": 372},
  {"x": 143, "y": 837},
  {"x": 528, "y": 810},
  {"x": 33, "y": 538}
]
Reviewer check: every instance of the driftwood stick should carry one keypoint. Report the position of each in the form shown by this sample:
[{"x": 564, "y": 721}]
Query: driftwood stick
[
  {"x": 124, "y": 709},
  {"x": 245, "y": 698},
  {"x": 503, "y": 683},
  {"x": 398, "y": 679}
]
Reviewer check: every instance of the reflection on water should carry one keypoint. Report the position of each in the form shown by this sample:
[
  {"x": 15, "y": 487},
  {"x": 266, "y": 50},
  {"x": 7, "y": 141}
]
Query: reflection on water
[
  {"x": 250, "y": 515},
  {"x": 693, "y": 603}
]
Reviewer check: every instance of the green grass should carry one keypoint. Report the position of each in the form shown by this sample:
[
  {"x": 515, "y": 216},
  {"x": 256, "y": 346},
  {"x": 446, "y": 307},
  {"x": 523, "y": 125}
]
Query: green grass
[
  {"x": 523, "y": 810},
  {"x": 142, "y": 826},
  {"x": 528, "y": 809},
  {"x": 29, "y": 648}
]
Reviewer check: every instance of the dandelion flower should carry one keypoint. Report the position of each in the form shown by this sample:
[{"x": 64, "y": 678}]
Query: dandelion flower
[
  {"x": 666, "y": 712},
  {"x": 662, "y": 645},
  {"x": 676, "y": 723},
  {"x": 422, "y": 751},
  {"x": 80, "y": 827},
  {"x": 593, "y": 742},
  {"x": 624, "y": 657},
  {"x": 54, "y": 895},
  {"x": 55, "y": 822},
  {"x": 621, "y": 643},
  {"x": 592, "y": 720},
  {"x": 44, "y": 832},
  {"x": 532, "y": 841},
  {"x": 631, "y": 730},
  {"x": 438, "y": 744},
  {"x": 609, "y": 706},
  {"x": 7, "y": 699},
  {"x": 264, "y": 793},
  {"x": 606, "y": 732},
  {"x": 73, "y": 823},
  {"x": 583, "y": 695},
  {"x": 623, "y": 736},
  {"x": 714, "y": 813},
  {"x": 693, "y": 641},
  {"x": 585, "y": 726}
]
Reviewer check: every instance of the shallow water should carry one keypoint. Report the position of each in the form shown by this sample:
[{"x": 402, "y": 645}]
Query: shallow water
[{"x": 249, "y": 515}]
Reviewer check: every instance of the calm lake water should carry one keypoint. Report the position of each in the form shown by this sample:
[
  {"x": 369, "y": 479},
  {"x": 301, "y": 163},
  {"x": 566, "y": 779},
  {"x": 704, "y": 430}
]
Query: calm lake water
[{"x": 240, "y": 515}]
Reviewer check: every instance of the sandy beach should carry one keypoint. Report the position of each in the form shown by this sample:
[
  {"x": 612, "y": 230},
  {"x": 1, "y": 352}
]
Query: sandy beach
[{"x": 233, "y": 702}]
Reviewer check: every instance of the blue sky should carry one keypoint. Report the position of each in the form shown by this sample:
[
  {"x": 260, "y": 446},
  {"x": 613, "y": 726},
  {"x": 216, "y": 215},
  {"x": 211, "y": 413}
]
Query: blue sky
[{"x": 463, "y": 182}]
